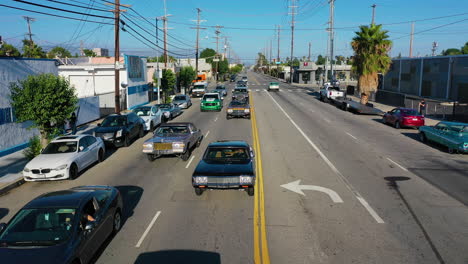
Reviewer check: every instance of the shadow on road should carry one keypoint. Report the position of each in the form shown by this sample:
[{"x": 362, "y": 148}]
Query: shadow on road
[
  {"x": 179, "y": 257},
  {"x": 416, "y": 137},
  {"x": 3, "y": 212}
]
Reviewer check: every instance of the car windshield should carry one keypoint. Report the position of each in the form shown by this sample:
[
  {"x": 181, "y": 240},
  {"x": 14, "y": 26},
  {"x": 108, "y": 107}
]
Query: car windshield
[
  {"x": 226, "y": 154},
  {"x": 210, "y": 96},
  {"x": 237, "y": 104},
  {"x": 220, "y": 87},
  {"x": 61, "y": 147},
  {"x": 412, "y": 112},
  {"x": 199, "y": 87},
  {"x": 164, "y": 106},
  {"x": 142, "y": 111},
  {"x": 165, "y": 131},
  {"x": 240, "y": 91},
  {"x": 179, "y": 97},
  {"x": 114, "y": 121},
  {"x": 39, "y": 227}
]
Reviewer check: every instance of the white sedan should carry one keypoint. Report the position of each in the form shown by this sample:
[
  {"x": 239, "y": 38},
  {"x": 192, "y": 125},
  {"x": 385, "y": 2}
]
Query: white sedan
[
  {"x": 151, "y": 114},
  {"x": 64, "y": 158}
]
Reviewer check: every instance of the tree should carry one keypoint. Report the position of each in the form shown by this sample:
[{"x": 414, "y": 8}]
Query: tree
[
  {"x": 32, "y": 50},
  {"x": 89, "y": 53},
  {"x": 186, "y": 75},
  {"x": 320, "y": 60},
  {"x": 464, "y": 49},
  {"x": 8, "y": 50},
  {"x": 161, "y": 59},
  {"x": 451, "y": 51},
  {"x": 371, "y": 46},
  {"x": 168, "y": 82},
  {"x": 223, "y": 66},
  {"x": 208, "y": 54},
  {"x": 236, "y": 69},
  {"x": 261, "y": 59},
  {"x": 47, "y": 100},
  {"x": 60, "y": 52}
]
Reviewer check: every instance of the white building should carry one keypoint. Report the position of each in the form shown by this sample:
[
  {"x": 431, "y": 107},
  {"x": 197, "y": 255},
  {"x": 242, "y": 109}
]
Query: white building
[{"x": 100, "y": 52}]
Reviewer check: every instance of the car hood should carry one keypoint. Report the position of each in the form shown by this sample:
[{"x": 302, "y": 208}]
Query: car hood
[
  {"x": 108, "y": 129},
  {"x": 208, "y": 168},
  {"x": 50, "y": 160},
  {"x": 25, "y": 255},
  {"x": 157, "y": 139},
  {"x": 179, "y": 101}
]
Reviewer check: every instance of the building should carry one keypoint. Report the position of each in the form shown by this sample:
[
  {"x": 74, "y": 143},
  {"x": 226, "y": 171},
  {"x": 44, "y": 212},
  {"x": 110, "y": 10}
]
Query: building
[
  {"x": 309, "y": 72},
  {"x": 100, "y": 52},
  {"x": 203, "y": 66}
]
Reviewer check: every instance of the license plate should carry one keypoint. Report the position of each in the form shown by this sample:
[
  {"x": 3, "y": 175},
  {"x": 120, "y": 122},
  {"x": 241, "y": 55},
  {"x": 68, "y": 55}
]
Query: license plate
[
  {"x": 415, "y": 119},
  {"x": 238, "y": 109},
  {"x": 162, "y": 146}
]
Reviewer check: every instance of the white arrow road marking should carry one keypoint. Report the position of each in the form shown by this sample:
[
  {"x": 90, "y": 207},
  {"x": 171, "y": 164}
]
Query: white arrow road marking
[
  {"x": 148, "y": 229},
  {"x": 297, "y": 188},
  {"x": 190, "y": 162}
]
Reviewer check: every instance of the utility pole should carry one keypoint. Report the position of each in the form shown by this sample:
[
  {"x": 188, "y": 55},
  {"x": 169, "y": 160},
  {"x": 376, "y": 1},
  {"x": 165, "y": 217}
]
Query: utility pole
[
  {"x": 217, "y": 32},
  {"x": 279, "y": 29},
  {"x": 164, "y": 19},
  {"x": 310, "y": 44},
  {"x": 373, "y": 13},
  {"x": 293, "y": 13},
  {"x": 332, "y": 36},
  {"x": 81, "y": 48},
  {"x": 411, "y": 40},
  {"x": 198, "y": 37},
  {"x": 117, "y": 56},
  {"x": 434, "y": 47},
  {"x": 158, "y": 74},
  {"x": 29, "y": 20}
]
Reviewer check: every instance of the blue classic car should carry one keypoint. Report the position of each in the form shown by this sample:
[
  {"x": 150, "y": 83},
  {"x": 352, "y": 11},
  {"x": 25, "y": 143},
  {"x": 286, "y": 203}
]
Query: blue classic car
[{"x": 453, "y": 135}]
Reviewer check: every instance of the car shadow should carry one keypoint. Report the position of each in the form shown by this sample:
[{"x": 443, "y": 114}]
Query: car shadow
[
  {"x": 3, "y": 212},
  {"x": 109, "y": 152},
  {"x": 416, "y": 137},
  {"x": 179, "y": 257},
  {"x": 131, "y": 196}
]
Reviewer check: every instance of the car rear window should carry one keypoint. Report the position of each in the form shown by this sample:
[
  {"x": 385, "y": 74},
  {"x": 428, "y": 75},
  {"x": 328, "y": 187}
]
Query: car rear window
[
  {"x": 226, "y": 153},
  {"x": 210, "y": 96},
  {"x": 179, "y": 97},
  {"x": 409, "y": 111}
]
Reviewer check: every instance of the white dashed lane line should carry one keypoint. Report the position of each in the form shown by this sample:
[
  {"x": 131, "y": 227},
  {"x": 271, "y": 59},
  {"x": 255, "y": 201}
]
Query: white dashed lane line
[
  {"x": 148, "y": 229},
  {"x": 190, "y": 162},
  {"x": 401, "y": 167},
  {"x": 351, "y": 135}
]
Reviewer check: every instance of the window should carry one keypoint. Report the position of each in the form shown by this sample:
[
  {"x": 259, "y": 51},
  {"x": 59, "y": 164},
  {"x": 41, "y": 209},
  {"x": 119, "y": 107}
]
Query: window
[
  {"x": 101, "y": 198},
  {"x": 6, "y": 115},
  {"x": 90, "y": 140},
  {"x": 60, "y": 147},
  {"x": 441, "y": 126},
  {"x": 83, "y": 143}
]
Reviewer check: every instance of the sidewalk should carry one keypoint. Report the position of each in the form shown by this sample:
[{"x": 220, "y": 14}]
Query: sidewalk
[{"x": 12, "y": 165}]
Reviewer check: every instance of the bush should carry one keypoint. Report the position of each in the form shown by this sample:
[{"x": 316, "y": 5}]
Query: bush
[{"x": 34, "y": 149}]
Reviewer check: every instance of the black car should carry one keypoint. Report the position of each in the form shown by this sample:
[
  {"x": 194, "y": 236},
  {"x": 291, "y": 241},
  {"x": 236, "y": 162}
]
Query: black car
[
  {"x": 225, "y": 165},
  {"x": 240, "y": 94},
  {"x": 233, "y": 78},
  {"x": 238, "y": 109},
  {"x": 119, "y": 129},
  {"x": 66, "y": 226}
]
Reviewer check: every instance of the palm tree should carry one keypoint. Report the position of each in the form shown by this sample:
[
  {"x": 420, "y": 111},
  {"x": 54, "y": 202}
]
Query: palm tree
[{"x": 371, "y": 46}]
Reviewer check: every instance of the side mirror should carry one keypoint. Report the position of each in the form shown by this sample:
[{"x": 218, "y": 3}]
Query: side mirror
[
  {"x": 99, "y": 124},
  {"x": 2, "y": 226},
  {"x": 252, "y": 153},
  {"x": 89, "y": 226},
  {"x": 81, "y": 148}
]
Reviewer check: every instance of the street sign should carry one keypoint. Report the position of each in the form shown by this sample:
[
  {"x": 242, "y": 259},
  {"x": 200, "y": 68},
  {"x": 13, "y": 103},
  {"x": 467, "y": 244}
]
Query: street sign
[{"x": 215, "y": 59}]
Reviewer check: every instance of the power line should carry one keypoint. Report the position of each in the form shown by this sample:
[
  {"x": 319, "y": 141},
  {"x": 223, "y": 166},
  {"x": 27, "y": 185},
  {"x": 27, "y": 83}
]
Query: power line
[
  {"x": 88, "y": 8},
  {"x": 459, "y": 21},
  {"x": 48, "y": 14}
]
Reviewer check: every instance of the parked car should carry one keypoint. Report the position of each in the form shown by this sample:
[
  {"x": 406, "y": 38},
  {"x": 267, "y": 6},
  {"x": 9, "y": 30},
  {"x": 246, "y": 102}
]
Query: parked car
[
  {"x": 240, "y": 94},
  {"x": 170, "y": 111},
  {"x": 199, "y": 89},
  {"x": 452, "y": 135},
  {"x": 67, "y": 226},
  {"x": 182, "y": 101},
  {"x": 173, "y": 139},
  {"x": 225, "y": 165},
  {"x": 211, "y": 102},
  {"x": 119, "y": 129},
  {"x": 273, "y": 86},
  {"x": 403, "y": 117},
  {"x": 330, "y": 93},
  {"x": 222, "y": 88},
  {"x": 151, "y": 114},
  {"x": 64, "y": 157},
  {"x": 238, "y": 109}
]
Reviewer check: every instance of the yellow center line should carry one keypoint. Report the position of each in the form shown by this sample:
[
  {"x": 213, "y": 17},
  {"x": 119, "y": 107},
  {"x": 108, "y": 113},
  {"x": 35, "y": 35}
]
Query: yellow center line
[{"x": 261, "y": 254}]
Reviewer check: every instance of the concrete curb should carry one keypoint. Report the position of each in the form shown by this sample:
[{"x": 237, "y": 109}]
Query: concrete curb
[{"x": 10, "y": 186}]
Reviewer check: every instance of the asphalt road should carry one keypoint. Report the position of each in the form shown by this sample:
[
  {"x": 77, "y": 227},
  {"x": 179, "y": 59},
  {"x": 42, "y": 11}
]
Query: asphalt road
[{"x": 373, "y": 194}]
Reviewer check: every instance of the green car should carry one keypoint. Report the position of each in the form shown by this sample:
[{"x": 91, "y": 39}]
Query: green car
[
  {"x": 453, "y": 135},
  {"x": 211, "y": 102}
]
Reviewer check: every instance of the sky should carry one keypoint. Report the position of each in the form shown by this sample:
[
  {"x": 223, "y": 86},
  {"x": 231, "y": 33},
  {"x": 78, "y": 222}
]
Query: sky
[{"x": 248, "y": 25}]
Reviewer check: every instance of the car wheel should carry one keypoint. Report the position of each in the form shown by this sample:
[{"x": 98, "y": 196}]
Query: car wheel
[
  {"x": 198, "y": 191},
  {"x": 101, "y": 155},
  {"x": 451, "y": 150},
  {"x": 199, "y": 141},
  {"x": 73, "y": 171},
  {"x": 397, "y": 125},
  {"x": 117, "y": 221},
  {"x": 141, "y": 132},
  {"x": 126, "y": 141},
  {"x": 151, "y": 157},
  {"x": 251, "y": 191},
  {"x": 228, "y": 117},
  {"x": 325, "y": 99},
  {"x": 186, "y": 155},
  {"x": 423, "y": 137},
  {"x": 151, "y": 128}
]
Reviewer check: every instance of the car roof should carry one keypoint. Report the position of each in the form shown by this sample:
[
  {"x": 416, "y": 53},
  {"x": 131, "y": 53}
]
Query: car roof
[
  {"x": 454, "y": 123},
  {"x": 176, "y": 124},
  {"x": 65, "y": 198},
  {"x": 212, "y": 94},
  {"x": 69, "y": 138},
  {"x": 404, "y": 108},
  {"x": 229, "y": 143}
]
